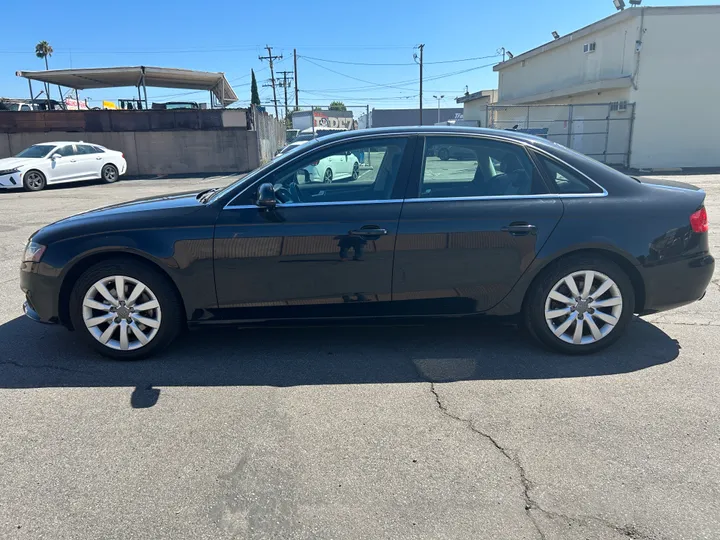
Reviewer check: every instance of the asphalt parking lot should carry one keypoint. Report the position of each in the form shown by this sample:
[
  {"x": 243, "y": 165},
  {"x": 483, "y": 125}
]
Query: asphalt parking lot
[{"x": 426, "y": 432}]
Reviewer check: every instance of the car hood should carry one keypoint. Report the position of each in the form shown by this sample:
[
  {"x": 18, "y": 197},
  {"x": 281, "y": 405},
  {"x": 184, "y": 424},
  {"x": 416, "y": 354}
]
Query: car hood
[
  {"x": 148, "y": 213},
  {"x": 16, "y": 163}
]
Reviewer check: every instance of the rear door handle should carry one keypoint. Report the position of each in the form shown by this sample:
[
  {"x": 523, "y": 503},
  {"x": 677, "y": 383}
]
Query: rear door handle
[
  {"x": 520, "y": 228},
  {"x": 374, "y": 231}
]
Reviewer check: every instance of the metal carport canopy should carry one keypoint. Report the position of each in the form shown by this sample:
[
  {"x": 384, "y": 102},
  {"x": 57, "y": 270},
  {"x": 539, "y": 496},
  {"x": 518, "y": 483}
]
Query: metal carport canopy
[{"x": 83, "y": 79}]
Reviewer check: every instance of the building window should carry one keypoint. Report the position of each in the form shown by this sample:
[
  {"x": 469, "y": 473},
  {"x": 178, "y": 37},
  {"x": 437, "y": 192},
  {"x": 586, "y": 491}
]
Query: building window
[
  {"x": 618, "y": 106},
  {"x": 589, "y": 47}
]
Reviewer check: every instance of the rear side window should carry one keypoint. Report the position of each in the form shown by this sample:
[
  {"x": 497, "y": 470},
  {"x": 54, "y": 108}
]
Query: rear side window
[
  {"x": 85, "y": 149},
  {"x": 456, "y": 167},
  {"x": 564, "y": 179}
]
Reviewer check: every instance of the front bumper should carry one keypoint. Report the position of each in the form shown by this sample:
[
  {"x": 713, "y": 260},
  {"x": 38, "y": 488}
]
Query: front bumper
[
  {"x": 11, "y": 181},
  {"x": 676, "y": 283},
  {"x": 30, "y": 313}
]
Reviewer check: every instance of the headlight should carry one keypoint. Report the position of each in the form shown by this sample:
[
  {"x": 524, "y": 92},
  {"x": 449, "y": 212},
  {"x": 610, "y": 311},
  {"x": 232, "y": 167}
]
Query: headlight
[
  {"x": 9, "y": 171},
  {"x": 33, "y": 252}
]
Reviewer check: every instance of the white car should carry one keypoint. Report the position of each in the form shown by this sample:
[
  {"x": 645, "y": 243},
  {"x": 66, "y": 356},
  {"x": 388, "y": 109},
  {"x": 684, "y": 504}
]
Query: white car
[
  {"x": 59, "y": 162},
  {"x": 335, "y": 167}
]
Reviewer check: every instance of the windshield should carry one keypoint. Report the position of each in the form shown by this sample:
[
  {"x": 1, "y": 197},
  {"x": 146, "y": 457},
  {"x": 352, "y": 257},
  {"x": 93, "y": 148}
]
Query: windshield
[
  {"x": 36, "y": 151},
  {"x": 304, "y": 137}
]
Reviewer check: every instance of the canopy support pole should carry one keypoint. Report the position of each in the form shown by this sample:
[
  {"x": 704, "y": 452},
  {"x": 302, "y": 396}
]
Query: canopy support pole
[
  {"x": 145, "y": 90},
  {"x": 77, "y": 99},
  {"x": 32, "y": 97}
]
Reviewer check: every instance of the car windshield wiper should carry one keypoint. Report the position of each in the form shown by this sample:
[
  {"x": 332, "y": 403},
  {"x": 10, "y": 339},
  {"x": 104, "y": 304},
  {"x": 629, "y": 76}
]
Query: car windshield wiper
[{"x": 204, "y": 196}]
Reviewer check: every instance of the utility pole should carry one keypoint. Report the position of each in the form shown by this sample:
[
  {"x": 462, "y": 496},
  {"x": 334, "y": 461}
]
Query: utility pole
[
  {"x": 297, "y": 105},
  {"x": 270, "y": 58},
  {"x": 421, "y": 47},
  {"x": 284, "y": 84}
]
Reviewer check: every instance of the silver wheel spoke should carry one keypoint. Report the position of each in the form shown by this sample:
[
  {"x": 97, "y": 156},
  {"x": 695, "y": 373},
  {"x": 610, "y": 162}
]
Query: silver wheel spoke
[
  {"x": 558, "y": 297},
  {"x": 555, "y": 313},
  {"x": 609, "y": 319},
  {"x": 570, "y": 282},
  {"x": 102, "y": 289},
  {"x": 594, "y": 330},
  {"x": 560, "y": 330},
  {"x": 602, "y": 289},
  {"x": 105, "y": 337},
  {"x": 577, "y": 335},
  {"x": 120, "y": 287},
  {"x": 141, "y": 337},
  {"x": 606, "y": 303},
  {"x": 93, "y": 304},
  {"x": 152, "y": 323},
  {"x": 589, "y": 278},
  {"x": 152, "y": 304},
  {"x": 124, "y": 344},
  {"x": 99, "y": 320},
  {"x": 135, "y": 294}
]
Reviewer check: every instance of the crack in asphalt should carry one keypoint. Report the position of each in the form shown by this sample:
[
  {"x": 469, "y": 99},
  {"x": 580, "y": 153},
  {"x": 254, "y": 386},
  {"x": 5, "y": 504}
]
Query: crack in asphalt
[
  {"x": 41, "y": 366},
  {"x": 530, "y": 504}
]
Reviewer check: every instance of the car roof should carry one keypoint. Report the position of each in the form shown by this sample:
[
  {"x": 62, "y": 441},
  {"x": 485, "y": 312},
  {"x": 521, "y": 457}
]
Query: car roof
[{"x": 434, "y": 130}]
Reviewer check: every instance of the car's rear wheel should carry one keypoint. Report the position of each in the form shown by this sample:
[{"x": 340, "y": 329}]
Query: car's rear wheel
[
  {"x": 34, "y": 181},
  {"x": 125, "y": 309},
  {"x": 328, "y": 176},
  {"x": 109, "y": 173},
  {"x": 444, "y": 154},
  {"x": 580, "y": 305}
]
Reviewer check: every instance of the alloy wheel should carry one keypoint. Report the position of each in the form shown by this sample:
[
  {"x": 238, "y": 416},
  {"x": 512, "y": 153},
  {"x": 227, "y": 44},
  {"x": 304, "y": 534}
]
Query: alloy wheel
[
  {"x": 583, "y": 307},
  {"x": 110, "y": 174},
  {"x": 34, "y": 180},
  {"x": 121, "y": 312}
]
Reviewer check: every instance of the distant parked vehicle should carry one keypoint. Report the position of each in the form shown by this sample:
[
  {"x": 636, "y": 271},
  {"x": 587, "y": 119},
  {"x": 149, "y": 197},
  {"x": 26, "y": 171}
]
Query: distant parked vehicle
[
  {"x": 59, "y": 162},
  {"x": 175, "y": 105},
  {"x": 31, "y": 105},
  {"x": 334, "y": 167}
]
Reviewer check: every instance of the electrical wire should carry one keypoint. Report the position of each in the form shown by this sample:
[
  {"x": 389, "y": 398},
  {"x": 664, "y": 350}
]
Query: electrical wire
[{"x": 398, "y": 63}]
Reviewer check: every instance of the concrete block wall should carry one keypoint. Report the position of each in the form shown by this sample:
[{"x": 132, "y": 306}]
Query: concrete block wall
[{"x": 160, "y": 152}]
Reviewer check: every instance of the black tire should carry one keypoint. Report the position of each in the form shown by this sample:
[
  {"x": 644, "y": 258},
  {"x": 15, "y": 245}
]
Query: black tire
[
  {"x": 355, "y": 172},
  {"x": 34, "y": 180},
  {"x": 328, "y": 176},
  {"x": 534, "y": 307},
  {"x": 173, "y": 313},
  {"x": 444, "y": 154},
  {"x": 109, "y": 174}
]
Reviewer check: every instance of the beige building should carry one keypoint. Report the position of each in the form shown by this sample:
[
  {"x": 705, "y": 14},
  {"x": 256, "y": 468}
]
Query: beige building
[
  {"x": 475, "y": 106},
  {"x": 664, "y": 60}
]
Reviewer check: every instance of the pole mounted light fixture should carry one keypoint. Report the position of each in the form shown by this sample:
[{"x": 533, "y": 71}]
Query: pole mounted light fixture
[{"x": 619, "y": 4}]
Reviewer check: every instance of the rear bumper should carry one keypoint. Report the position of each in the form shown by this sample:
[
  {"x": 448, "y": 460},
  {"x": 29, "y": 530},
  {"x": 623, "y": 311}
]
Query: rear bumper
[{"x": 676, "y": 283}]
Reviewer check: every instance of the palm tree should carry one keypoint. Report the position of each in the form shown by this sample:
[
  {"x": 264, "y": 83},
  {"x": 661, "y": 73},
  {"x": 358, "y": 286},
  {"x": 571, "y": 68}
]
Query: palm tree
[{"x": 43, "y": 50}]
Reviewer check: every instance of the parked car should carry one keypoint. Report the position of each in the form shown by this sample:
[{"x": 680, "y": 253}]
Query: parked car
[
  {"x": 567, "y": 244},
  {"x": 334, "y": 167},
  {"x": 59, "y": 162}
]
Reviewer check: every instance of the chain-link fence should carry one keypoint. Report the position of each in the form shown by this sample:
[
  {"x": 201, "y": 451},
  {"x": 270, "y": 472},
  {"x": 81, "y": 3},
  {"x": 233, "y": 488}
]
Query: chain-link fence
[
  {"x": 601, "y": 131},
  {"x": 270, "y": 132}
]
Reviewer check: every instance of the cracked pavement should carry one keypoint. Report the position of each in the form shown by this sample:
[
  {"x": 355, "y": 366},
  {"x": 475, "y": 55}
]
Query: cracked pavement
[{"x": 443, "y": 431}]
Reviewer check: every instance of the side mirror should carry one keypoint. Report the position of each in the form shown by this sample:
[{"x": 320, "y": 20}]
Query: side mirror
[
  {"x": 54, "y": 157},
  {"x": 266, "y": 196},
  {"x": 302, "y": 177}
]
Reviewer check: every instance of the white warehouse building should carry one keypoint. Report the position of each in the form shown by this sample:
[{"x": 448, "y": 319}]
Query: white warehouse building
[{"x": 654, "y": 69}]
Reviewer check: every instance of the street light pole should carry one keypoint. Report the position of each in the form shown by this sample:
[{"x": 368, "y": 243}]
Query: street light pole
[{"x": 439, "y": 98}]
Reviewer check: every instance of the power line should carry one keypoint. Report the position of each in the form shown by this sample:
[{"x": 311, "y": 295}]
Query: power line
[{"x": 398, "y": 63}]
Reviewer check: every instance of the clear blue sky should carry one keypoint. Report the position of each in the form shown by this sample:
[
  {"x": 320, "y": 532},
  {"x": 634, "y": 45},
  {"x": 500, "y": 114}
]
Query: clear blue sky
[{"x": 210, "y": 36}]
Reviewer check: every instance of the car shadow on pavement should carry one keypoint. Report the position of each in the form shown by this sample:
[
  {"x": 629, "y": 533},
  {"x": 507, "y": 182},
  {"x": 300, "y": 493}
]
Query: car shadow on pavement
[{"x": 39, "y": 356}]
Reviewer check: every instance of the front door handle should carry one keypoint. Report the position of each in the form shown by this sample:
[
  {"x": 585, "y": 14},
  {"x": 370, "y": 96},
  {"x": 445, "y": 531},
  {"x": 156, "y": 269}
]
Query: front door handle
[
  {"x": 370, "y": 231},
  {"x": 520, "y": 228}
]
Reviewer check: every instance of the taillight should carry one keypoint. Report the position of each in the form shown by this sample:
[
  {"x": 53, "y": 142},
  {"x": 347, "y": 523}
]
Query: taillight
[{"x": 699, "y": 221}]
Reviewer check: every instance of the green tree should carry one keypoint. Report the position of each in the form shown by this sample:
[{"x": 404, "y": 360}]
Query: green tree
[
  {"x": 42, "y": 51},
  {"x": 337, "y": 106},
  {"x": 254, "y": 95}
]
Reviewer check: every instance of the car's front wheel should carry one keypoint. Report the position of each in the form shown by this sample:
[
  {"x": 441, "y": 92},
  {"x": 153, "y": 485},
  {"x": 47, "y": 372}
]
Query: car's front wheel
[
  {"x": 125, "y": 309},
  {"x": 34, "y": 181},
  {"x": 580, "y": 305},
  {"x": 328, "y": 176}
]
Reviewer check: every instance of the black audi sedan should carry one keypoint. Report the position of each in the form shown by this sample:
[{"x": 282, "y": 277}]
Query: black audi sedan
[{"x": 526, "y": 228}]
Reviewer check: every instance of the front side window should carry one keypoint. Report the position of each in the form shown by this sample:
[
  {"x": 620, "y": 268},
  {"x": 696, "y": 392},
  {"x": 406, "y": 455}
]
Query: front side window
[
  {"x": 356, "y": 171},
  {"x": 65, "y": 150},
  {"x": 476, "y": 167}
]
